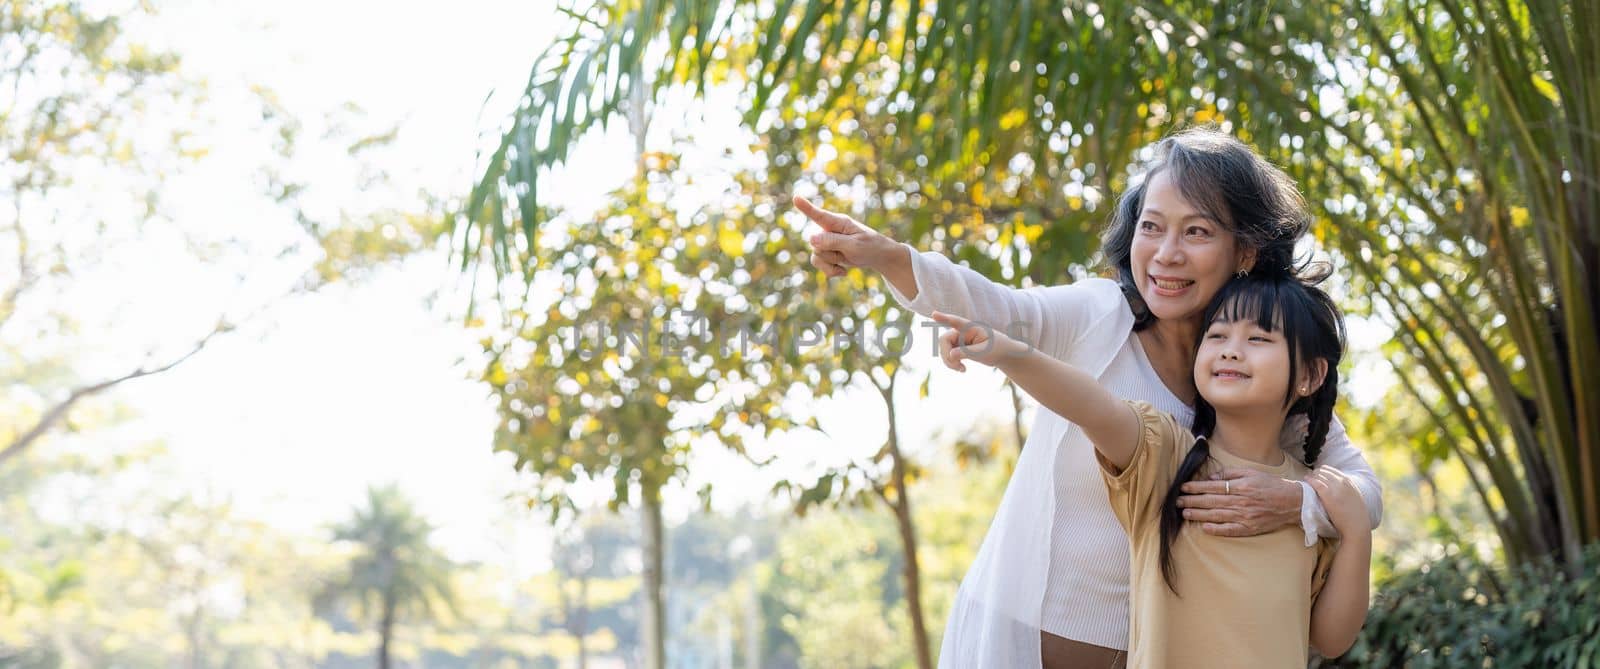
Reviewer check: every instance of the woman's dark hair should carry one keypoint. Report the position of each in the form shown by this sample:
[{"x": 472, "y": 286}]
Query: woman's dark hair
[
  {"x": 1231, "y": 184},
  {"x": 1313, "y": 329}
]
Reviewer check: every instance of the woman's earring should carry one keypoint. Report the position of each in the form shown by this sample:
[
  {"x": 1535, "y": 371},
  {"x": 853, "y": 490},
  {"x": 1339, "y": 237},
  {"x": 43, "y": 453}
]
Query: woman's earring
[{"x": 1240, "y": 274}]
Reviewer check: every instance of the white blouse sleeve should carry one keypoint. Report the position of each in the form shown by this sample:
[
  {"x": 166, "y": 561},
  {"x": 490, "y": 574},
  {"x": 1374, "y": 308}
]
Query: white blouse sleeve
[
  {"x": 1339, "y": 453},
  {"x": 1050, "y": 318}
]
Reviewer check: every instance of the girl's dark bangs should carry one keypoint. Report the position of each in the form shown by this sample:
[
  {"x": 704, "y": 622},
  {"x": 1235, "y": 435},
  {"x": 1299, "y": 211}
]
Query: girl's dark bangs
[{"x": 1258, "y": 301}]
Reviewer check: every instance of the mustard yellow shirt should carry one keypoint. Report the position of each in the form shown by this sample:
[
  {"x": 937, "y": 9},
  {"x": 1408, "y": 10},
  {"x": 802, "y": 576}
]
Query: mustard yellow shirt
[{"x": 1241, "y": 601}]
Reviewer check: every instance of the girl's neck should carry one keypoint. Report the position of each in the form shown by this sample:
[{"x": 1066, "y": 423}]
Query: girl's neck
[{"x": 1252, "y": 436}]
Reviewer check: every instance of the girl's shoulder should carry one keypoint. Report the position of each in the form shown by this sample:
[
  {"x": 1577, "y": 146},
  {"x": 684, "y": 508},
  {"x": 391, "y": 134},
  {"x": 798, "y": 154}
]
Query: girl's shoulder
[{"x": 1160, "y": 429}]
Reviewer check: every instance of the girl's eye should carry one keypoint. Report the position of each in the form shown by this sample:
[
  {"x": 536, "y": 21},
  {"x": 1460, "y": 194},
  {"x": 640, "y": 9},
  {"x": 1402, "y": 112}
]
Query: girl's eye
[
  {"x": 1214, "y": 335},
  {"x": 1259, "y": 338}
]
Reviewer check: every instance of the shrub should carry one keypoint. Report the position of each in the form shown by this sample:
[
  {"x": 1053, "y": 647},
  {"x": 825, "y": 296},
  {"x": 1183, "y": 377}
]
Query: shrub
[{"x": 1461, "y": 612}]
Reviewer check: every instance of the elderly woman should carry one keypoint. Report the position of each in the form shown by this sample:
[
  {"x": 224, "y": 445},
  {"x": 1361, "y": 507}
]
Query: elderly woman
[{"x": 1049, "y": 586}]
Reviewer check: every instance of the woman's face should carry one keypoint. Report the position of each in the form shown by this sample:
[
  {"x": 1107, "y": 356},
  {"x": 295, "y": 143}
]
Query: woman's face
[{"x": 1180, "y": 257}]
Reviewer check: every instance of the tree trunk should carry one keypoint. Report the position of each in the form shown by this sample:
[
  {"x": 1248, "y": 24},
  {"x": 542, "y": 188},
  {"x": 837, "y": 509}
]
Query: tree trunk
[
  {"x": 654, "y": 634},
  {"x": 752, "y": 625},
  {"x": 908, "y": 539},
  {"x": 192, "y": 632},
  {"x": 583, "y": 621},
  {"x": 1016, "y": 414},
  {"x": 385, "y": 630}
]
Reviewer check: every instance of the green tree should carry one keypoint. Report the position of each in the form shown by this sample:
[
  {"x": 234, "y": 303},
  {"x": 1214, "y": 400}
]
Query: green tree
[
  {"x": 95, "y": 125},
  {"x": 396, "y": 572},
  {"x": 78, "y": 90},
  {"x": 657, "y": 341},
  {"x": 105, "y": 571}
]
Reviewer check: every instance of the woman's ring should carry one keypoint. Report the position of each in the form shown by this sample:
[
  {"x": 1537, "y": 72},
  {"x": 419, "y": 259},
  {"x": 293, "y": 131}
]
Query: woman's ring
[{"x": 1227, "y": 487}]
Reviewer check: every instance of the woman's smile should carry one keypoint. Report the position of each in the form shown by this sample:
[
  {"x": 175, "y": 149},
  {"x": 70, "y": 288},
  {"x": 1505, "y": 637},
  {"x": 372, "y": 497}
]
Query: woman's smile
[{"x": 1167, "y": 286}]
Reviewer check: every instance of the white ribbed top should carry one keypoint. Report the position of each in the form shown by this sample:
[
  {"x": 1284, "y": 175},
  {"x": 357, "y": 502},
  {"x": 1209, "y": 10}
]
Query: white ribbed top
[{"x": 1086, "y": 594}]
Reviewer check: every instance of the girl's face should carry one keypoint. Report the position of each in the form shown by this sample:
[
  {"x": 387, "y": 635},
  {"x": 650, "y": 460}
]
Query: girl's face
[
  {"x": 1179, "y": 256},
  {"x": 1242, "y": 367}
]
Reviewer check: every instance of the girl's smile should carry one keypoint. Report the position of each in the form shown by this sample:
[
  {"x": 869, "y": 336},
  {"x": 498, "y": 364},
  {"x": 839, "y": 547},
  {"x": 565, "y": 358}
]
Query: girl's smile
[{"x": 1229, "y": 374}]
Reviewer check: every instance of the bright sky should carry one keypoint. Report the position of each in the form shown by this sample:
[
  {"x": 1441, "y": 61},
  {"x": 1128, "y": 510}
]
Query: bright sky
[
  {"x": 294, "y": 418},
  {"x": 360, "y": 385}
]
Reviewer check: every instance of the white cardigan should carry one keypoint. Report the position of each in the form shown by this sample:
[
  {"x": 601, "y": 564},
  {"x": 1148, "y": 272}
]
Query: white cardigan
[{"x": 998, "y": 612}]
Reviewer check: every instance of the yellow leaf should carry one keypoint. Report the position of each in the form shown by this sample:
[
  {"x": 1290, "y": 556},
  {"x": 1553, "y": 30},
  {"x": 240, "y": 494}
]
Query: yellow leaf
[
  {"x": 1519, "y": 217},
  {"x": 1546, "y": 89},
  {"x": 731, "y": 241},
  {"x": 1013, "y": 119}
]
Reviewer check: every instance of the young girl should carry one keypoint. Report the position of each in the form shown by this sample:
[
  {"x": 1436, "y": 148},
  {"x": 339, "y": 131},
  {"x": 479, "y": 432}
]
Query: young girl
[{"x": 1269, "y": 349}]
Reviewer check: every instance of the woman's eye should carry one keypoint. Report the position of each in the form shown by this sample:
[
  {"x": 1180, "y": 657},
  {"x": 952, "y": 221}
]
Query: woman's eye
[
  {"x": 1199, "y": 232},
  {"x": 1259, "y": 338},
  {"x": 1147, "y": 226}
]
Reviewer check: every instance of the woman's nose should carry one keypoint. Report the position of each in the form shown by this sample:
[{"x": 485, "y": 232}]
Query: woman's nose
[{"x": 1170, "y": 252}]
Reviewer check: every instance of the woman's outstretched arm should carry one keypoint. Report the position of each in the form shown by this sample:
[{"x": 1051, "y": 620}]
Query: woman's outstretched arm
[
  {"x": 1048, "y": 317},
  {"x": 1067, "y": 391}
]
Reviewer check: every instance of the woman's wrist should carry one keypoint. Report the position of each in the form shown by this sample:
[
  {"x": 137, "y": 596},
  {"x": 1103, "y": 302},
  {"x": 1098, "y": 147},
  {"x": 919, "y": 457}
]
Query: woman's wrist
[{"x": 895, "y": 266}]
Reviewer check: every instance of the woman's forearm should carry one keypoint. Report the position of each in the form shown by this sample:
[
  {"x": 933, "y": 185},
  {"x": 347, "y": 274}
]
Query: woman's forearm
[{"x": 1341, "y": 607}]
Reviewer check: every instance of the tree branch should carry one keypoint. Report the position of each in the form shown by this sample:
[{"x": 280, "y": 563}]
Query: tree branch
[{"x": 59, "y": 411}]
